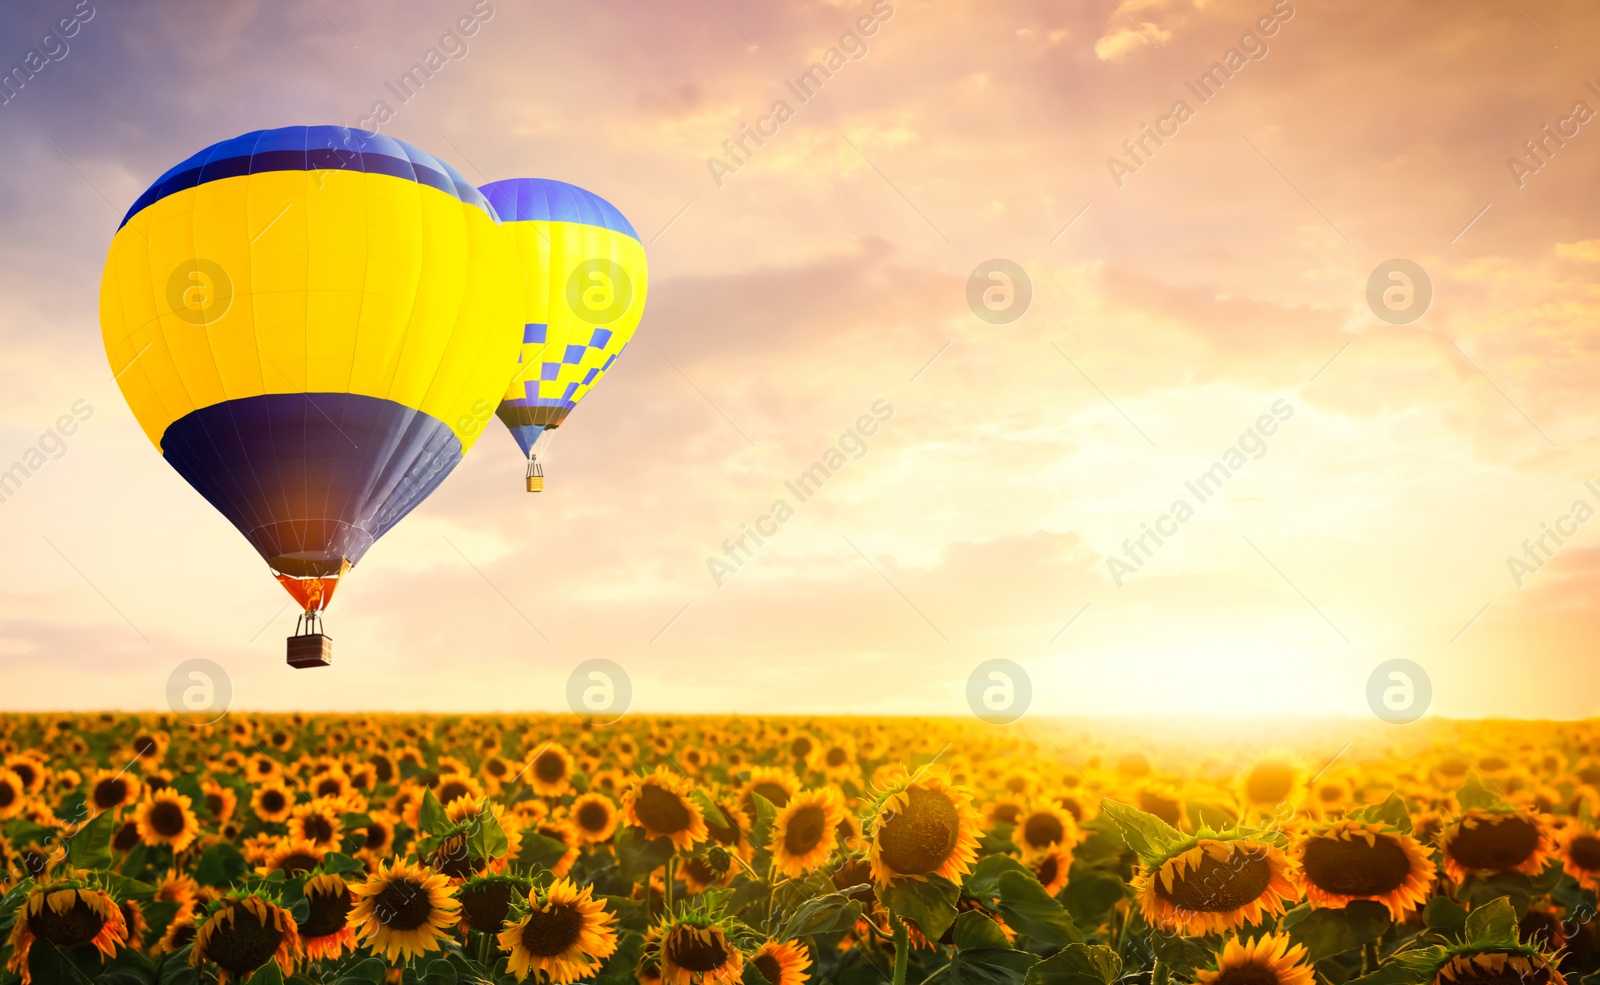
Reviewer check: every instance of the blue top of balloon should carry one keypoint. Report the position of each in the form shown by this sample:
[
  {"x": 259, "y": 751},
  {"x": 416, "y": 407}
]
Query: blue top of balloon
[
  {"x": 545, "y": 199},
  {"x": 307, "y": 149}
]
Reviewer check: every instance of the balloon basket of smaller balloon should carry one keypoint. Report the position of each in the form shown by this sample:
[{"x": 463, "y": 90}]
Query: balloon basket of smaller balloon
[
  {"x": 309, "y": 646},
  {"x": 535, "y": 476}
]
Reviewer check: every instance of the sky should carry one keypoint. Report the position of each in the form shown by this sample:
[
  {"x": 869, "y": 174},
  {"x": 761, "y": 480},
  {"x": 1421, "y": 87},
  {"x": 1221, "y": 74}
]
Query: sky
[{"x": 1203, "y": 291}]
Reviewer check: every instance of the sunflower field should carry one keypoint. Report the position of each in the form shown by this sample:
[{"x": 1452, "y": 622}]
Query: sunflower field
[{"x": 144, "y": 849}]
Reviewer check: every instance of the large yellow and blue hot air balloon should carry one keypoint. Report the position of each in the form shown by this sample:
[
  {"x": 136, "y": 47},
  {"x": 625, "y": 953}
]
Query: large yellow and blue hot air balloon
[
  {"x": 586, "y": 281},
  {"x": 302, "y": 320}
]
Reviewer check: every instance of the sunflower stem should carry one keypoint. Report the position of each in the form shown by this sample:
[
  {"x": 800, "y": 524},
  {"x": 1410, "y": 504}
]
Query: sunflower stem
[
  {"x": 672, "y": 873},
  {"x": 1369, "y": 957},
  {"x": 1159, "y": 973},
  {"x": 483, "y": 948},
  {"x": 902, "y": 950}
]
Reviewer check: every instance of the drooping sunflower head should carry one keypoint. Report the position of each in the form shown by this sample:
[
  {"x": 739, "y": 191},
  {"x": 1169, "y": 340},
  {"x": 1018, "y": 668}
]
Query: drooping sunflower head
[
  {"x": 242, "y": 934},
  {"x": 660, "y": 804},
  {"x": 694, "y": 949},
  {"x": 782, "y": 962},
  {"x": 65, "y": 917},
  {"x": 167, "y": 818},
  {"x": 1356, "y": 860},
  {"x": 1488, "y": 840},
  {"x": 922, "y": 825},
  {"x": 403, "y": 910},
  {"x": 1211, "y": 885},
  {"x": 563, "y": 934},
  {"x": 1504, "y": 962},
  {"x": 1267, "y": 960},
  {"x": 803, "y": 836},
  {"x": 326, "y": 930}
]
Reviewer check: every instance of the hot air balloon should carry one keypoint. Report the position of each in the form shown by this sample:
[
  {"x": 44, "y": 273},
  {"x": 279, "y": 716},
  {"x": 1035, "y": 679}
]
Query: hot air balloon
[
  {"x": 585, "y": 289},
  {"x": 302, "y": 320}
]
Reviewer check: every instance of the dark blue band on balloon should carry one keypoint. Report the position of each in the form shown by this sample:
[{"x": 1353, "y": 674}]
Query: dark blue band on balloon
[
  {"x": 548, "y": 200},
  {"x": 311, "y": 479},
  {"x": 312, "y": 149}
]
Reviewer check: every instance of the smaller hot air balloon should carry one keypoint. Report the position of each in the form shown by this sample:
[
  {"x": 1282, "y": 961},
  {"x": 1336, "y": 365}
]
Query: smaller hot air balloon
[
  {"x": 585, "y": 291},
  {"x": 302, "y": 321}
]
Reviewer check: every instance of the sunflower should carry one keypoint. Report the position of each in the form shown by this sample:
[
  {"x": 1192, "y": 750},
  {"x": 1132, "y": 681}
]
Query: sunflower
[
  {"x": 1051, "y": 866},
  {"x": 486, "y": 901},
  {"x": 1267, "y": 960},
  {"x": 1580, "y": 854},
  {"x": 594, "y": 818},
  {"x": 464, "y": 810},
  {"x": 565, "y": 935},
  {"x": 65, "y": 918},
  {"x": 455, "y": 786},
  {"x": 109, "y": 791},
  {"x": 1271, "y": 781},
  {"x": 379, "y": 832},
  {"x": 166, "y": 818},
  {"x": 326, "y": 930},
  {"x": 13, "y": 794},
  {"x": 1163, "y": 801},
  {"x": 1213, "y": 885},
  {"x": 1046, "y": 826},
  {"x": 659, "y": 803},
  {"x": 179, "y": 931},
  {"x": 837, "y": 759},
  {"x": 1489, "y": 841},
  {"x": 1350, "y": 860},
  {"x": 243, "y": 934},
  {"x": 221, "y": 801},
  {"x": 318, "y": 821},
  {"x": 921, "y": 826},
  {"x": 772, "y": 782},
  {"x": 272, "y": 802},
  {"x": 782, "y": 962},
  {"x": 1521, "y": 965},
  {"x": 694, "y": 949},
  {"x": 292, "y": 856},
  {"x": 699, "y": 873},
  {"x": 403, "y": 910},
  {"x": 549, "y": 772},
  {"x": 133, "y": 919},
  {"x": 803, "y": 836},
  {"x": 176, "y": 886},
  {"x": 729, "y": 826},
  {"x": 29, "y": 769}
]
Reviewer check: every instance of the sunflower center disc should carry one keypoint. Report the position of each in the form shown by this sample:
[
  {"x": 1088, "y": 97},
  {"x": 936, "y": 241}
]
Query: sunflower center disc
[
  {"x": 1046, "y": 873},
  {"x": 778, "y": 795},
  {"x": 272, "y": 801},
  {"x": 836, "y": 758},
  {"x": 661, "y": 811},
  {"x": 549, "y": 767},
  {"x": 317, "y": 828},
  {"x": 297, "y": 862},
  {"x": 1219, "y": 887},
  {"x": 245, "y": 945},
  {"x": 917, "y": 839},
  {"x": 1585, "y": 852},
  {"x": 688, "y": 950},
  {"x": 1043, "y": 829},
  {"x": 403, "y": 905},
  {"x": 453, "y": 791},
  {"x": 550, "y": 932},
  {"x": 329, "y": 914},
  {"x": 1354, "y": 868},
  {"x": 805, "y": 831},
  {"x": 592, "y": 816},
  {"x": 486, "y": 905},
  {"x": 1247, "y": 974},
  {"x": 166, "y": 818},
  {"x": 1504, "y": 845},
  {"x": 107, "y": 793},
  {"x": 769, "y": 968},
  {"x": 76, "y": 926}
]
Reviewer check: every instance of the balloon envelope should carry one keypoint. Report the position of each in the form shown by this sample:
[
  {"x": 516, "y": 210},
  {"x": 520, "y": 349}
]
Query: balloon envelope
[
  {"x": 586, "y": 280},
  {"x": 303, "y": 321}
]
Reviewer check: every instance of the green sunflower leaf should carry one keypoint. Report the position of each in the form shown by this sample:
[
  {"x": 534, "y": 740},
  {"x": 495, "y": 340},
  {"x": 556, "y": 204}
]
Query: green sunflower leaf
[
  {"x": 1474, "y": 794},
  {"x": 488, "y": 839},
  {"x": 1090, "y": 892},
  {"x": 830, "y": 914},
  {"x": 267, "y": 974},
  {"x": 371, "y": 970},
  {"x": 220, "y": 865},
  {"x": 637, "y": 856},
  {"x": 340, "y": 864},
  {"x": 1392, "y": 973},
  {"x": 1327, "y": 931},
  {"x": 90, "y": 847},
  {"x": 761, "y": 826},
  {"x": 1078, "y": 964},
  {"x": 1422, "y": 963},
  {"x": 1151, "y": 838},
  {"x": 930, "y": 902},
  {"x": 1443, "y": 915},
  {"x": 984, "y": 956},
  {"x": 1031, "y": 910},
  {"x": 1494, "y": 922},
  {"x": 620, "y": 967},
  {"x": 983, "y": 882},
  {"x": 1391, "y": 812},
  {"x": 431, "y": 816},
  {"x": 1480, "y": 891},
  {"x": 542, "y": 851}
]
